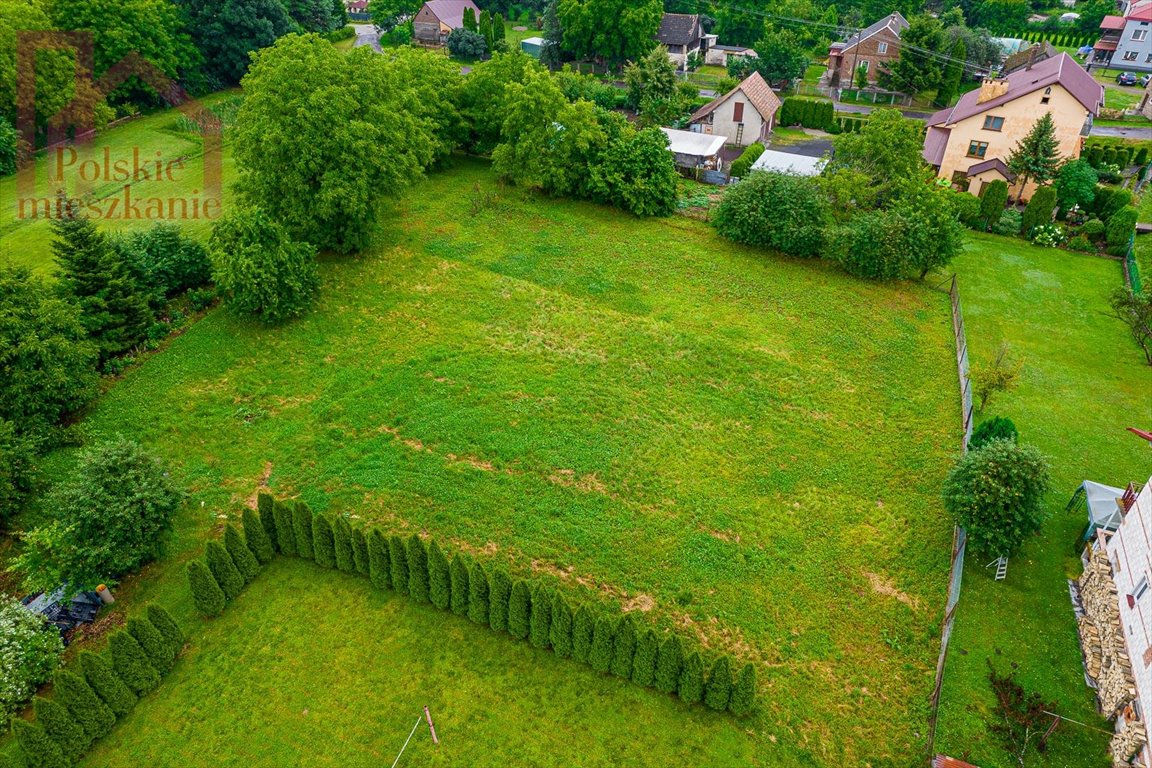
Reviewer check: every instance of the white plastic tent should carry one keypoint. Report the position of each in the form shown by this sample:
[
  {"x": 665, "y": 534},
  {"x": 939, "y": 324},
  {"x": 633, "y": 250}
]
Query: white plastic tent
[{"x": 1103, "y": 505}]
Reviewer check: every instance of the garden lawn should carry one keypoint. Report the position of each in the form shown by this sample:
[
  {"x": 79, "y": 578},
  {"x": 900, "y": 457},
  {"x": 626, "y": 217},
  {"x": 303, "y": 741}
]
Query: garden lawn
[
  {"x": 743, "y": 447},
  {"x": 1083, "y": 382}
]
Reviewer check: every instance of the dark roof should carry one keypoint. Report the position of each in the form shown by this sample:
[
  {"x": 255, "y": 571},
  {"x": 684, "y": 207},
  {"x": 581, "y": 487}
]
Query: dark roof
[
  {"x": 451, "y": 12},
  {"x": 1034, "y": 54},
  {"x": 730, "y": 48},
  {"x": 757, "y": 92},
  {"x": 679, "y": 29},
  {"x": 1059, "y": 70},
  {"x": 935, "y": 142},
  {"x": 995, "y": 164},
  {"x": 894, "y": 21}
]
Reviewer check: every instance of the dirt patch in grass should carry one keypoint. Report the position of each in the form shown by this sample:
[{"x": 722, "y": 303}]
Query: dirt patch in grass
[
  {"x": 262, "y": 485},
  {"x": 884, "y": 586},
  {"x": 588, "y": 483}
]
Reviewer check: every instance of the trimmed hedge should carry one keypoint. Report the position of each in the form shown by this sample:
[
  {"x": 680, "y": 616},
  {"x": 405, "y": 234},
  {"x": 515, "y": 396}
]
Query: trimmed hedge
[{"x": 742, "y": 165}]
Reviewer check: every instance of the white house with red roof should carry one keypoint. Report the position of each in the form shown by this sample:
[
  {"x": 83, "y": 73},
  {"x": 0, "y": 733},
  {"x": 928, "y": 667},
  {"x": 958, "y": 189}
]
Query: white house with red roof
[{"x": 1126, "y": 40}]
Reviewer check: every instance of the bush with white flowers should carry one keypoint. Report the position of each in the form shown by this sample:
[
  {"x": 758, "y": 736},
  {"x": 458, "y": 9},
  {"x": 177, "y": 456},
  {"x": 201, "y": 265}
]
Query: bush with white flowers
[
  {"x": 1048, "y": 235},
  {"x": 29, "y": 653}
]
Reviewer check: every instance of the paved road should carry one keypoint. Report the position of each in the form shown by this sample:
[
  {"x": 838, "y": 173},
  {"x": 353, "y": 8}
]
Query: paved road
[
  {"x": 366, "y": 35},
  {"x": 1123, "y": 132},
  {"x": 862, "y": 109}
]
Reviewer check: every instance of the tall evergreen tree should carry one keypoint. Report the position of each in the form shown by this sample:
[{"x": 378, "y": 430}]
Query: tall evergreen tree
[
  {"x": 519, "y": 610},
  {"x": 302, "y": 527},
  {"x": 540, "y": 620},
  {"x": 624, "y": 648},
  {"x": 644, "y": 661},
  {"x": 499, "y": 593},
  {"x": 398, "y": 560},
  {"x": 256, "y": 537},
  {"x": 342, "y": 538},
  {"x": 478, "y": 594},
  {"x": 266, "y": 506},
  {"x": 225, "y": 572},
  {"x": 691, "y": 688},
  {"x": 560, "y": 632},
  {"x": 485, "y": 28},
  {"x": 40, "y": 751},
  {"x": 582, "y": 627},
  {"x": 458, "y": 575},
  {"x": 61, "y": 727},
  {"x": 718, "y": 690},
  {"x": 550, "y": 52},
  {"x": 168, "y": 627},
  {"x": 1036, "y": 157},
  {"x": 89, "y": 711},
  {"x": 669, "y": 661},
  {"x": 744, "y": 693},
  {"x": 206, "y": 593},
  {"x": 360, "y": 559},
  {"x": 603, "y": 635},
  {"x": 323, "y": 542},
  {"x": 241, "y": 555},
  {"x": 417, "y": 568},
  {"x": 131, "y": 663},
  {"x": 439, "y": 580},
  {"x": 99, "y": 674},
  {"x": 379, "y": 565},
  {"x": 159, "y": 652},
  {"x": 283, "y": 511}
]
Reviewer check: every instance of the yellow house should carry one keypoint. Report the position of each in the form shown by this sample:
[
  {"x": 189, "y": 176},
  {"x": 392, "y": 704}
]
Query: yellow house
[{"x": 969, "y": 143}]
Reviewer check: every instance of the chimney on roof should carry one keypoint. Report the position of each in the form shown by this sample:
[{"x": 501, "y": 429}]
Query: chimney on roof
[
  {"x": 991, "y": 88},
  {"x": 1031, "y": 57}
]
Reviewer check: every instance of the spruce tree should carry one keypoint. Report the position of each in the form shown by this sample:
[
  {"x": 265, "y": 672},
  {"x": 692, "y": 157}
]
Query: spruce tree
[
  {"x": 60, "y": 726},
  {"x": 519, "y": 610},
  {"x": 285, "y": 528},
  {"x": 603, "y": 635},
  {"x": 439, "y": 580},
  {"x": 499, "y": 592},
  {"x": 99, "y": 674},
  {"x": 398, "y": 564},
  {"x": 131, "y": 663},
  {"x": 691, "y": 687},
  {"x": 478, "y": 594},
  {"x": 360, "y": 559},
  {"x": 718, "y": 690},
  {"x": 582, "y": 626},
  {"x": 540, "y": 621},
  {"x": 459, "y": 585},
  {"x": 669, "y": 661},
  {"x": 379, "y": 569},
  {"x": 644, "y": 661},
  {"x": 417, "y": 554},
  {"x": 560, "y": 632},
  {"x": 302, "y": 527},
  {"x": 86, "y": 708},
  {"x": 323, "y": 542},
  {"x": 256, "y": 537},
  {"x": 159, "y": 652},
  {"x": 206, "y": 593},
  {"x": 1036, "y": 157},
  {"x": 168, "y": 627},
  {"x": 40, "y": 751},
  {"x": 266, "y": 506},
  {"x": 241, "y": 555},
  {"x": 744, "y": 692},
  {"x": 624, "y": 648},
  {"x": 223, "y": 570},
  {"x": 342, "y": 539}
]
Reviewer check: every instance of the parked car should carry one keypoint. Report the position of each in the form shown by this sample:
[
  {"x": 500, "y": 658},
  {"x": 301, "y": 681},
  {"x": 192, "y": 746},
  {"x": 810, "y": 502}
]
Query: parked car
[
  {"x": 1126, "y": 78},
  {"x": 1144, "y": 80}
]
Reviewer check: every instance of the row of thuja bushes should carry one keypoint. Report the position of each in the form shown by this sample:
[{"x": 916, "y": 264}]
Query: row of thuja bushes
[
  {"x": 99, "y": 688},
  {"x": 525, "y": 609}
]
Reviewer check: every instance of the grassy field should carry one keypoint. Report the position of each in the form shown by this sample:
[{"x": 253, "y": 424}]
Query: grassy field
[
  {"x": 729, "y": 442},
  {"x": 1083, "y": 383}
]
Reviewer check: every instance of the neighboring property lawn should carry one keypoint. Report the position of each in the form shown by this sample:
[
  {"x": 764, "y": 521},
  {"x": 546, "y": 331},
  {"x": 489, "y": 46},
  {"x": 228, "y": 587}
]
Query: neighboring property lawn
[{"x": 1083, "y": 383}]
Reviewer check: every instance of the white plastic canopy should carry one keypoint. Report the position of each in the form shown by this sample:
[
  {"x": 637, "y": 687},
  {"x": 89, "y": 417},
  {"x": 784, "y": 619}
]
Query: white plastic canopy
[{"x": 1103, "y": 504}]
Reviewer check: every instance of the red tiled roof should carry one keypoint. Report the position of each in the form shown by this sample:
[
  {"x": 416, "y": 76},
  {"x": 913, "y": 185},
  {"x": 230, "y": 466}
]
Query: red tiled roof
[
  {"x": 763, "y": 98},
  {"x": 1105, "y": 45},
  {"x": 1112, "y": 22},
  {"x": 1141, "y": 11},
  {"x": 943, "y": 761}
]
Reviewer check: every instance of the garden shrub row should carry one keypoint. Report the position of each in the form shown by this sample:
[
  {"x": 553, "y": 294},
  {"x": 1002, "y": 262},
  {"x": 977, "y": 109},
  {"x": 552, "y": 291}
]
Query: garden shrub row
[
  {"x": 87, "y": 702},
  {"x": 742, "y": 165},
  {"x": 1098, "y": 155},
  {"x": 1069, "y": 40},
  {"x": 809, "y": 113},
  {"x": 525, "y": 609}
]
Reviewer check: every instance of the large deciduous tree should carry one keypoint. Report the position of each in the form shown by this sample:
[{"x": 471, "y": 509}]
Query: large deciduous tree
[
  {"x": 780, "y": 58},
  {"x": 918, "y": 68},
  {"x": 1075, "y": 185},
  {"x": 887, "y": 151},
  {"x": 785, "y": 212},
  {"x": 637, "y": 173},
  {"x": 228, "y": 31},
  {"x": 483, "y": 97},
  {"x": 612, "y": 31}
]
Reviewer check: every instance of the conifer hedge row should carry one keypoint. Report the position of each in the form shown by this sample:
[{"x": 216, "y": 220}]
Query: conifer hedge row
[
  {"x": 98, "y": 689},
  {"x": 525, "y": 609}
]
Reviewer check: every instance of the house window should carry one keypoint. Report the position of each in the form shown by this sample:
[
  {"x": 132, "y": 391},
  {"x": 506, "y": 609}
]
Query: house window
[
  {"x": 960, "y": 180},
  {"x": 993, "y": 123},
  {"x": 1141, "y": 589},
  {"x": 882, "y": 48},
  {"x": 1129, "y": 55},
  {"x": 977, "y": 148},
  {"x": 864, "y": 65},
  {"x": 738, "y": 112},
  {"x": 1047, "y": 95},
  {"x": 1139, "y": 35}
]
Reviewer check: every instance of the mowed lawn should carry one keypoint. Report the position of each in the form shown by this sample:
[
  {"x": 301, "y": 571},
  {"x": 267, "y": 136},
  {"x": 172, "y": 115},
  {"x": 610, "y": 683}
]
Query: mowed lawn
[
  {"x": 1083, "y": 382},
  {"x": 741, "y": 447}
]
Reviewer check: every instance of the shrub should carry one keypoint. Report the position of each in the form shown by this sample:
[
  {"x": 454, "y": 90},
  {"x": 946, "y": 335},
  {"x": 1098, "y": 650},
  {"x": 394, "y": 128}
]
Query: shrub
[
  {"x": 30, "y": 651},
  {"x": 669, "y": 662},
  {"x": 379, "y": 564},
  {"x": 302, "y": 528},
  {"x": 744, "y": 692},
  {"x": 342, "y": 538},
  {"x": 256, "y": 536},
  {"x": 991, "y": 378},
  {"x": 224, "y": 570},
  {"x": 1093, "y": 230},
  {"x": 1120, "y": 229},
  {"x": 1111, "y": 201},
  {"x": 168, "y": 627},
  {"x": 603, "y": 635},
  {"x": 478, "y": 594},
  {"x": 160, "y": 654},
  {"x": 1135, "y": 310},
  {"x": 742, "y": 165},
  {"x": 499, "y": 595},
  {"x": 131, "y": 663},
  {"x": 644, "y": 660},
  {"x": 241, "y": 555},
  {"x": 785, "y": 212},
  {"x": 323, "y": 542},
  {"x": 466, "y": 44},
  {"x": 1141, "y": 156},
  {"x": 207, "y": 595},
  {"x": 519, "y": 610},
  {"x": 459, "y": 585},
  {"x": 624, "y": 648},
  {"x": 439, "y": 578},
  {"x": 40, "y": 751},
  {"x": 996, "y": 428},
  {"x": 540, "y": 618},
  {"x": 560, "y": 630},
  {"x": 360, "y": 558},
  {"x": 1082, "y": 244},
  {"x": 265, "y": 507},
  {"x": 997, "y": 493},
  {"x": 583, "y": 625},
  {"x": 283, "y": 512},
  {"x": 1009, "y": 223},
  {"x": 17, "y": 470},
  {"x": 164, "y": 259},
  {"x": 99, "y": 674},
  {"x": 1039, "y": 210},
  {"x": 638, "y": 174},
  {"x": 417, "y": 569},
  {"x": 718, "y": 691},
  {"x": 1047, "y": 235},
  {"x": 398, "y": 564},
  {"x": 86, "y": 708},
  {"x": 691, "y": 684}
]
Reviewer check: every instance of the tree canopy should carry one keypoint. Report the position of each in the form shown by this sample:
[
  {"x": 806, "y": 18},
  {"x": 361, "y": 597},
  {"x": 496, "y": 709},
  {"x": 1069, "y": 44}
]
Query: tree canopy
[
  {"x": 228, "y": 31},
  {"x": 613, "y": 31}
]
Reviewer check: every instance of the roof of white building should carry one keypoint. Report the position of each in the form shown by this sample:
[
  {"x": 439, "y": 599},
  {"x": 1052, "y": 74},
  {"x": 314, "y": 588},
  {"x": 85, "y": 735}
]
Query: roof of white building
[
  {"x": 783, "y": 162},
  {"x": 695, "y": 144}
]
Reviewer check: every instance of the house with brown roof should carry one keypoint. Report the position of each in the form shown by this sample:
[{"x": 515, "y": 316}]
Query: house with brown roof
[
  {"x": 745, "y": 115},
  {"x": 1028, "y": 57},
  {"x": 1126, "y": 41},
  {"x": 683, "y": 36},
  {"x": 969, "y": 143},
  {"x": 873, "y": 48},
  {"x": 437, "y": 18}
]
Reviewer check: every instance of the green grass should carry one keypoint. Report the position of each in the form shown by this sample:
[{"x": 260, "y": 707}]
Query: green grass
[
  {"x": 653, "y": 413},
  {"x": 1143, "y": 243},
  {"x": 1083, "y": 383}
]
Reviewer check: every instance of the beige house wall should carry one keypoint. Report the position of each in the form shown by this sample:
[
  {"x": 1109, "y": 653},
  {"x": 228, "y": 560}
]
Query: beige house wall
[
  {"x": 755, "y": 127},
  {"x": 1019, "y": 116}
]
